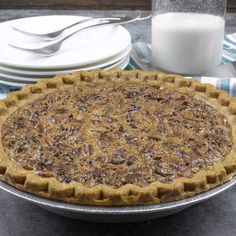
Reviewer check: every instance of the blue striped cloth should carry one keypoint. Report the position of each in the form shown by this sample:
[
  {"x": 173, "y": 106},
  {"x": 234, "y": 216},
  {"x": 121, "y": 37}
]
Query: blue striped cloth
[{"x": 141, "y": 57}]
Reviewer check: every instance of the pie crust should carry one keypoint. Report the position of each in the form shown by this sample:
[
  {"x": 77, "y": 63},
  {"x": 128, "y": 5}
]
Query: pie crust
[{"x": 128, "y": 194}]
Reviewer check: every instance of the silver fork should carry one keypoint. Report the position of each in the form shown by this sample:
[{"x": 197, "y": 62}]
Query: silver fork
[
  {"x": 52, "y": 48},
  {"x": 55, "y": 34}
]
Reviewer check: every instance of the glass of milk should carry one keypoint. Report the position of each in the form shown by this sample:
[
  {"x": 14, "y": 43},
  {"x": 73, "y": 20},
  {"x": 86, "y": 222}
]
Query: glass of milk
[{"x": 187, "y": 35}]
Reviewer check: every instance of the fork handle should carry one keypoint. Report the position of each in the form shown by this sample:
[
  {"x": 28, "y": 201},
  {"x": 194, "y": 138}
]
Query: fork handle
[
  {"x": 115, "y": 22},
  {"x": 90, "y": 19}
]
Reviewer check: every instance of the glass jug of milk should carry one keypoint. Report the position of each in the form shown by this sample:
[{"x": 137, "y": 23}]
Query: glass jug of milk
[{"x": 187, "y": 35}]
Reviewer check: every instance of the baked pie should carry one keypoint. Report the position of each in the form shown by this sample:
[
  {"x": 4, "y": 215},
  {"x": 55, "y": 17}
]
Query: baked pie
[{"x": 117, "y": 138}]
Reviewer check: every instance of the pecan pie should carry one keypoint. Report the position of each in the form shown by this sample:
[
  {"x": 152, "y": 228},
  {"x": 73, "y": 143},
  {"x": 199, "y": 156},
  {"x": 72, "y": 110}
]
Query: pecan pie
[{"x": 117, "y": 138}]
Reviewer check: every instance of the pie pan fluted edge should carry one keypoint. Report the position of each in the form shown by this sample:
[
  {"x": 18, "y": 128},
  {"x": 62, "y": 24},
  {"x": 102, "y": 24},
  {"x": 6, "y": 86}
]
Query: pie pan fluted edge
[{"x": 128, "y": 194}]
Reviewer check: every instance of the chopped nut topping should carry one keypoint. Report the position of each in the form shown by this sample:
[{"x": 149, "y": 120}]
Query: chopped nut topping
[{"x": 116, "y": 134}]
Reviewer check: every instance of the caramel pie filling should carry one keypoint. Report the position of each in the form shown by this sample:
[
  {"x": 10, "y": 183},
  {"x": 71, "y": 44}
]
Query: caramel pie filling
[{"x": 115, "y": 134}]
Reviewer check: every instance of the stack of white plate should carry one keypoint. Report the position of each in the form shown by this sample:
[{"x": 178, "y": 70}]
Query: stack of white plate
[{"x": 101, "y": 48}]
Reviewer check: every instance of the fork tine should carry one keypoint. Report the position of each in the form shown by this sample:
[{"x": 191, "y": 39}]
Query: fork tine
[
  {"x": 52, "y": 48},
  {"x": 56, "y": 34},
  {"x": 25, "y": 32},
  {"x": 20, "y": 48},
  {"x": 41, "y": 51}
]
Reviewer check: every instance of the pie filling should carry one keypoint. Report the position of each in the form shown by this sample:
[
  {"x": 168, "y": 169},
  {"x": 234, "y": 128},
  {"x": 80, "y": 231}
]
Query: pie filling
[{"x": 115, "y": 134}]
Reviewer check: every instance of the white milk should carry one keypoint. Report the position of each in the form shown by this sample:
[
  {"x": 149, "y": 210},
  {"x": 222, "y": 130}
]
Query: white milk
[{"x": 187, "y": 43}]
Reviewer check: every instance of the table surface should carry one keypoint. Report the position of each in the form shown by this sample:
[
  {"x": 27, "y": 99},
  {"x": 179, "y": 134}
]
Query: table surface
[{"x": 216, "y": 216}]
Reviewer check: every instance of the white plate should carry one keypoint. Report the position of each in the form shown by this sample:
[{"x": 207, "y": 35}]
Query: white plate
[
  {"x": 11, "y": 83},
  {"x": 32, "y": 79},
  {"x": 90, "y": 46},
  {"x": 120, "y": 65},
  {"x": 5, "y": 71},
  {"x": 15, "y": 82}
]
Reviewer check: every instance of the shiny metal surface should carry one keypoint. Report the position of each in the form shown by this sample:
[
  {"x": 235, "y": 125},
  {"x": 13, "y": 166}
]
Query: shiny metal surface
[
  {"x": 116, "y": 214},
  {"x": 54, "y": 47},
  {"x": 55, "y": 34}
]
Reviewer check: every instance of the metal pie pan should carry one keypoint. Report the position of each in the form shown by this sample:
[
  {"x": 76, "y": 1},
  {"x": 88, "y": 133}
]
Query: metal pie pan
[{"x": 116, "y": 214}]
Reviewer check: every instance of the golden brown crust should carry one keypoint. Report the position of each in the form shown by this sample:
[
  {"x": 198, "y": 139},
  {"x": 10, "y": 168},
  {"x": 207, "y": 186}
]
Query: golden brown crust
[{"x": 129, "y": 194}]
